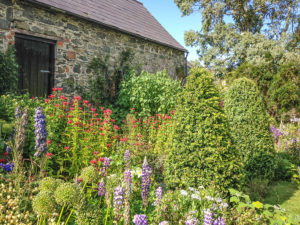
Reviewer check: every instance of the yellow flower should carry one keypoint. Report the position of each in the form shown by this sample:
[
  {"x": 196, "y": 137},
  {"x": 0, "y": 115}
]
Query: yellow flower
[{"x": 258, "y": 205}]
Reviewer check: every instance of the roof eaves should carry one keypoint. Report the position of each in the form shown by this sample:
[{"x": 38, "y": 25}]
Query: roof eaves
[{"x": 106, "y": 25}]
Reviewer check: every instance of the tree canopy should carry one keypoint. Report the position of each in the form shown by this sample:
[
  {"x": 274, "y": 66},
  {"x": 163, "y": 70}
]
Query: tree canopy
[{"x": 232, "y": 31}]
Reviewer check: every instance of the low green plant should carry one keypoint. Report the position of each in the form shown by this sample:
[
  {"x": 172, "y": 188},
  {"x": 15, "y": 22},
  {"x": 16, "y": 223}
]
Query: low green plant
[{"x": 148, "y": 93}]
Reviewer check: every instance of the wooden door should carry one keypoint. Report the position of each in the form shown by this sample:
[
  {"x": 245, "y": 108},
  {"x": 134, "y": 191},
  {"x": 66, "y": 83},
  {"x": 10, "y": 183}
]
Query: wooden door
[{"x": 35, "y": 57}]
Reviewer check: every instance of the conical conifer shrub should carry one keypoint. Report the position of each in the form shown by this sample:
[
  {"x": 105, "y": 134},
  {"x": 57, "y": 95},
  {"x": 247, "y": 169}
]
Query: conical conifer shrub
[
  {"x": 250, "y": 128},
  {"x": 202, "y": 152}
]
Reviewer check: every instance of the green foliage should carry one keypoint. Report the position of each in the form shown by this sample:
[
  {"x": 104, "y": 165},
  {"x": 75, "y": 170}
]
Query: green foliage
[
  {"x": 244, "y": 211},
  {"x": 49, "y": 184},
  {"x": 149, "y": 93},
  {"x": 8, "y": 71},
  {"x": 250, "y": 125},
  {"x": 89, "y": 214},
  {"x": 202, "y": 151},
  {"x": 104, "y": 82},
  {"x": 280, "y": 85}
]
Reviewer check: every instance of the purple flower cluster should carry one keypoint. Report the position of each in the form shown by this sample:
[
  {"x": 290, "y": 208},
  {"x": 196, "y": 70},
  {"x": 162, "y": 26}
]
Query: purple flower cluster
[
  {"x": 127, "y": 177},
  {"x": 275, "y": 131},
  {"x": 106, "y": 164},
  {"x": 219, "y": 221},
  {"x": 101, "y": 189},
  {"x": 8, "y": 167},
  {"x": 164, "y": 223},
  {"x": 18, "y": 112},
  {"x": 140, "y": 219},
  {"x": 192, "y": 221},
  {"x": 8, "y": 149},
  {"x": 118, "y": 198},
  {"x": 146, "y": 174},
  {"x": 127, "y": 156},
  {"x": 159, "y": 195},
  {"x": 40, "y": 132},
  {"x": 207, "y": 217}
]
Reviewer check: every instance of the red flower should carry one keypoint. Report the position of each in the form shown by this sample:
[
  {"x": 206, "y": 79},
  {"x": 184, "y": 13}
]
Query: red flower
[
  {"x": 134, "y": 126},
  {"x": 123, "y": 121},
  {"x": 112, "y": 120},
  {"x": 116, "y": 127},
  {"x": 47, "y": 100},
  {"x": 118, "y": 137},
  {"x": 106, "y": 121},
  {"x": 72, "y": 108},
  {"x": 57, "y": 105},
  {"x": 5, "y": 153},
  {"x": 102, "y": 134},
  {"x": 54, "y": 89},
  {"x": 48, "y": 155},
  {"x": 65, "y": 103},
  {"x": 69, "y": 121},
  {"x": 132, "y": 109},
  {"x": 101, "y": 159},
  {"x": 108, "y": 145},
  {"x": 51, "y": 96},
  {"x": 98, "y": 119},
  {"x": 137, "y": 144},
  {"x": 77, "y": 123},
  {"x": 94, "y": 161},
  {"x": 48, "y": 142},
  {"x": 78, "y": 98},
  {"x": 95, "y": 114},
  {"x": 67, "y": 147},
  {"x": 85, "y": 102},
  {"x": 33, "y": 98},
  {"x": 139, "y": 135},
  {"x": 2, "y": 160},
  {"x": 95, "y": 153},
  {"x": 61, "y": 116},
  {"x": 102, "y": 108},
  {"x": 59, "y": 89},
  {"x": 93, "y": 109},
  {"x": 69, "y": 116},
  {"x": 101, "y": 128},
  {"x": 124, "y": 139}
]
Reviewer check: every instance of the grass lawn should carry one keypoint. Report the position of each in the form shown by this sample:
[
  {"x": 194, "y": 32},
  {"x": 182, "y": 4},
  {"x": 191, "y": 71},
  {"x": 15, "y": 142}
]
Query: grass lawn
[{"x": 287, "y": 195}]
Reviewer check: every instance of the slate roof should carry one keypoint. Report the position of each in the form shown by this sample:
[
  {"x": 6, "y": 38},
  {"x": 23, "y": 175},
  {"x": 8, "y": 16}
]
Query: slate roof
[{"x": 129, "y": 16}]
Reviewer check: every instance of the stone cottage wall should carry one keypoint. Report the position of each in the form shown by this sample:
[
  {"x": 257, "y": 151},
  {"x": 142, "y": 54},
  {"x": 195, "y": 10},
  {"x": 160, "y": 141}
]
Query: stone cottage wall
[{"x": 79, "y": 40}]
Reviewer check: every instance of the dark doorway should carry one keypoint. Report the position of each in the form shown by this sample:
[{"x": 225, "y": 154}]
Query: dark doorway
[{"x": 35, "y": 57}]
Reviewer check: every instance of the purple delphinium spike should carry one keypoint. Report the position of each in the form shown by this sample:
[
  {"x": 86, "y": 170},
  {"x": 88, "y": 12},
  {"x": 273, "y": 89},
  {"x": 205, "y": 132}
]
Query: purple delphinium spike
[
  {"x": 40, "y": 132},
  {"x": 158, "y": 194},
  {"x": 219, "y": 221},
  {"x": 106, "y": 164},
  {"x": 18, "y": 112},
  {"x": 127, "y": 177},
  {"x": 8, "y": 149},
  {"x": 146, "y": 174},
  {"x": 207, "y": 217},
  {"x": 118, "y": 202},
  {"x": 101, "y": 189},
  {"x": 140, "y": 219},
  {"x": 127, "y": 158},
  {"x": 192, "y": 221},
  {"x": 8, "y": 167}
]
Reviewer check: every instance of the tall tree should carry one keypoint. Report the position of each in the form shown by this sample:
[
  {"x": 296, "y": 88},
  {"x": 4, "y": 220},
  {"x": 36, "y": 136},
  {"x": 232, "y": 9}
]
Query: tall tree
[{"x": 231, "y": 27}]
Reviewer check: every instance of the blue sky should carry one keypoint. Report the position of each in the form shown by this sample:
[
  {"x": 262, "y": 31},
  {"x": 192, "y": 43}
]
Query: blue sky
[{"x": 168, "y": 14}]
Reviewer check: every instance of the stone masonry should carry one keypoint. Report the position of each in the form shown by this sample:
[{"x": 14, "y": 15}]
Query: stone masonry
[{"x": 79, "y": 40}]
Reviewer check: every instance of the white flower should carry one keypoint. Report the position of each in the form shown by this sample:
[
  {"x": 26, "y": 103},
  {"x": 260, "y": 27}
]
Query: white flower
[
  {"x": 183, "y": 192},
  {"x": 200, "y": 187},
  {"x": 195, "y": 196},
  {"x": 191, "y": 189}
]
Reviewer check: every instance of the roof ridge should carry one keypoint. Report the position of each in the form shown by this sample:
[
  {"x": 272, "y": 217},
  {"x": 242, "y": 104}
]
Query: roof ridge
[{"x": 136, "y": 1}]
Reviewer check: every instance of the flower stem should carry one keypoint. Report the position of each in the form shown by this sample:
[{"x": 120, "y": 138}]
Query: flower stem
[
  {"x": 69, "y": 216},
  {"x": 61, "y": 212}
]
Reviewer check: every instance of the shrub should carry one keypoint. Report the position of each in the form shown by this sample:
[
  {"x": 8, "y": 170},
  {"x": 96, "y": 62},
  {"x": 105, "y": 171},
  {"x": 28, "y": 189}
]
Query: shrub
[
  {"x": 148, "y": 93},
  {"x": 249, "y": 123},
  {"x": 279, "y": 84},
  {"x": 201, "y": 151},
  {"x": 8, "y": 71}
]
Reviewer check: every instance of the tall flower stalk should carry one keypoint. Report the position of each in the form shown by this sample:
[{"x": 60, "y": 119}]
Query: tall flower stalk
[
  {"x": 40, "y": 132},
  {"x": 146, "y": 180},
  {"x": 127, "y": 179},
  {"x": 118, "y": 203}
]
